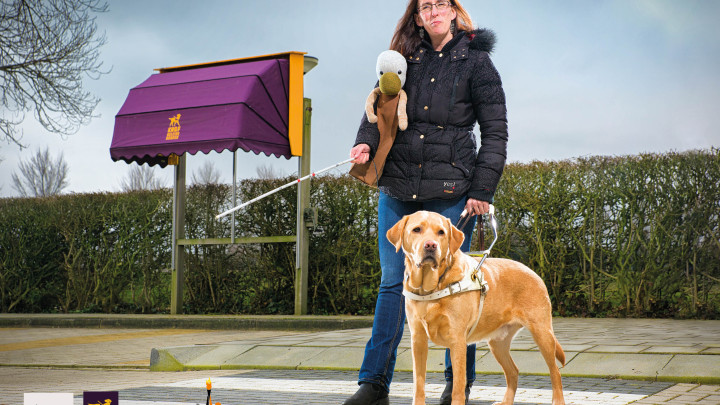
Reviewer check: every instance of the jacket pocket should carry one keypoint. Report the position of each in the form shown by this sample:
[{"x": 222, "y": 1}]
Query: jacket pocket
[
  {"x": 453, "y": 92},
  {"x": 456, "y": 161}
]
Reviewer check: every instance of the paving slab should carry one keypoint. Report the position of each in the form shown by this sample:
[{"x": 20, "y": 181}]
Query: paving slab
[
  {"x": 355, "y": 344},
  {"x": 691, "y": 367},
  {"x": 321, "y": 343},
  {"x": 618, "y": 348},
  {"x": 435, "y": 361},
  {"x": 625, "y": 365},
  {"x": 186, "y": 354},
  {"x": 570, "y": 347},
  {"x": 338, "y": 358},
  {"x": 528, "y": 362},
  {"x": 674, "y": 349},
  {"x": 273, "y": 357},
  {"x": 217, "y": 356},
  {"x": 162, "y": 360}
]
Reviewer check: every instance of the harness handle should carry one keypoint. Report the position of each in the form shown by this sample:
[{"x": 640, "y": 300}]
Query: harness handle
[{"x": 464, "y": 218}]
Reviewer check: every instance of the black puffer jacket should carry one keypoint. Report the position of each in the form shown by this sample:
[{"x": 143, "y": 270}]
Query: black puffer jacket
[{"x": 448, "y": 91}]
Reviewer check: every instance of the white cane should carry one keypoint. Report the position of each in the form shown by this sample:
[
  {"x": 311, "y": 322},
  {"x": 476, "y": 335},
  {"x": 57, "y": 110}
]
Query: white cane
[{"x": 313, "y": 174}]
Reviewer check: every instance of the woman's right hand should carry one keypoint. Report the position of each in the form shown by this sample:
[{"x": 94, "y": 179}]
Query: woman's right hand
[{"x": 360, "y": 153}]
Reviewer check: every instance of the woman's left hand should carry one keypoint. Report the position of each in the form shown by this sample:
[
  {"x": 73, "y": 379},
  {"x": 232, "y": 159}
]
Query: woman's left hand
[{"x": 477, "y": 207}]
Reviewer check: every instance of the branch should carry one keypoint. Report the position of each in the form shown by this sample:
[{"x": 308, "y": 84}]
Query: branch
[{"x": 46, "y": 47}]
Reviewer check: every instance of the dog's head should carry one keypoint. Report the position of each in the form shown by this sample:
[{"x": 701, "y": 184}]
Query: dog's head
[{"x": 428, "y": 240}]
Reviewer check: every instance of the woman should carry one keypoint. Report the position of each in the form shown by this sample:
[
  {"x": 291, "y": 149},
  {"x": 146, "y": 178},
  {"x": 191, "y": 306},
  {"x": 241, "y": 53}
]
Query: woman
[{"x": 434, "y": 165}]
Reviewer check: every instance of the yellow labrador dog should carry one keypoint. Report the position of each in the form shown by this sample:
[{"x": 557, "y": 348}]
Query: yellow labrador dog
[{"x": 514, "y": 297}]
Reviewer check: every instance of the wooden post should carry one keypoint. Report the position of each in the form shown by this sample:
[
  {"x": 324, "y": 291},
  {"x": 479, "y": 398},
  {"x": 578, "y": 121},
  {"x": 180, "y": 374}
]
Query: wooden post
[
  {"x": 178, "y": 252},
  {"x": 302, "y": 244}
]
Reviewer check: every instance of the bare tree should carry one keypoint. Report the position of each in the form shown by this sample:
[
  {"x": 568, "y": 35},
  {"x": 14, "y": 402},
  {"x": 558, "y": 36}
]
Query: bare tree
[
  {"x": 206, "y": 174},
  {"x": 41, "y": 176},
  {"x": 141, "y": 178},
  {"x": 268, "y": 172},
  {"x": 46, "y": 48}
]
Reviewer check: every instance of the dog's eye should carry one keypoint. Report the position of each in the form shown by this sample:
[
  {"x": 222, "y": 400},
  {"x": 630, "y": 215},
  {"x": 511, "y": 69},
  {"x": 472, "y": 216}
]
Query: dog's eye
[
  {"x": 417, "y": 229},
  {"x": 441, "y": 232}
]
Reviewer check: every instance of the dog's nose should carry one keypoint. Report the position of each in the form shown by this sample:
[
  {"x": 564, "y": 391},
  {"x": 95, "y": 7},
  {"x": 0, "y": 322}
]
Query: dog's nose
[{"x": 430, "y": 245}]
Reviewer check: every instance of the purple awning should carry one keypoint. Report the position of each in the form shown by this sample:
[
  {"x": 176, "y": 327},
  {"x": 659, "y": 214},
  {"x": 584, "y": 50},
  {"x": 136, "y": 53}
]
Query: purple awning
[{"x": 231, "y": 106}]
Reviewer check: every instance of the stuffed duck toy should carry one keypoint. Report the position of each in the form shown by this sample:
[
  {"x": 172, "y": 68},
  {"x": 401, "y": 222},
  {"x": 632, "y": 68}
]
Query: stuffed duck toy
[{"x": 391, "y": 70}]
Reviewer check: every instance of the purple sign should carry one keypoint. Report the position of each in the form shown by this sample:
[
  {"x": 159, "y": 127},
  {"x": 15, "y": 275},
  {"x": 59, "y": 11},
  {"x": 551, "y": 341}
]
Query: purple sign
[
  {"x": 236, "y": 106},
  {"x": 100, "y": 398}
]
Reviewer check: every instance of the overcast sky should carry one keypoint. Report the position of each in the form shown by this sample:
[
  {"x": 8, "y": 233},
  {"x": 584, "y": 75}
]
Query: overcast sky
[{"x": 582, "y": 77}]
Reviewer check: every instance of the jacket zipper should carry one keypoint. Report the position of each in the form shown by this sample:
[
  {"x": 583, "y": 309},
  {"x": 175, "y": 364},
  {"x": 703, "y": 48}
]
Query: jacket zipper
[{"x": 454, "y": 90}]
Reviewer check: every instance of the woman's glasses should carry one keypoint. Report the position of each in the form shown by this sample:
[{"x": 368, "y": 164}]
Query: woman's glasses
[{"x": 442, "y": 6}]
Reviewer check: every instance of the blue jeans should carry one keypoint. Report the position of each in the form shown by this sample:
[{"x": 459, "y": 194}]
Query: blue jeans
[{"x": 389, "y": 321}]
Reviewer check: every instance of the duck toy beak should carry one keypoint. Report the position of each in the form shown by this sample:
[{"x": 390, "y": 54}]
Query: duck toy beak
[{"x": 390, "y": 83}]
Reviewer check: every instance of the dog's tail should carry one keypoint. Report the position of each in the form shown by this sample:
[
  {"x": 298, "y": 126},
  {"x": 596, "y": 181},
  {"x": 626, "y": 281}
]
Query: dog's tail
[{"x": 559, "y": 353}]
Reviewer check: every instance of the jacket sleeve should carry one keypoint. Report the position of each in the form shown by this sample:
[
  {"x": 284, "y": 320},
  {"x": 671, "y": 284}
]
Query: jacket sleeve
[
  {"x": 368, "y": 133},
  {"x": 491, "y": 112}
]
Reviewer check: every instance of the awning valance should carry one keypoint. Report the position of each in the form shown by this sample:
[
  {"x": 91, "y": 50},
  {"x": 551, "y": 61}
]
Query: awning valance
[{"x": 238, "y": 104}]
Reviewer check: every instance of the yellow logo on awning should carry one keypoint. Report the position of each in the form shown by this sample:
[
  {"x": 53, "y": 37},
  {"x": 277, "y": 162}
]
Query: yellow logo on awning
[{"x": 174, "y": 128}]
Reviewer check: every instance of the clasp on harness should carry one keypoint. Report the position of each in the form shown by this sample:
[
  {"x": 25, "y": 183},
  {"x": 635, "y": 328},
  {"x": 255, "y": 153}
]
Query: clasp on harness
[
  {"x": 476, "y": 276},
  {"x": 454, "y": 288}
]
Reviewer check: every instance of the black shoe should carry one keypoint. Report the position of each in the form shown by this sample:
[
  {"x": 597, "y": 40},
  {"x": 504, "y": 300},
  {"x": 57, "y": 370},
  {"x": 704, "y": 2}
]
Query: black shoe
[
  {"x": 369, "y": 394},
  {"x": 446, "y": 397}
]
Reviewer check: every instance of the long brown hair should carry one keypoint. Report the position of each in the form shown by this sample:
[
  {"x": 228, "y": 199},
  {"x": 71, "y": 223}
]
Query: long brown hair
[{"x": 407, "y": 38}]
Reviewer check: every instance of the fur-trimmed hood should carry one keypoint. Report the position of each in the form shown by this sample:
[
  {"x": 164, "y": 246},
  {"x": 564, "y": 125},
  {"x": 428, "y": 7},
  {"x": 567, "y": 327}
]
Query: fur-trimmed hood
[{"x": 482, "y": 39}]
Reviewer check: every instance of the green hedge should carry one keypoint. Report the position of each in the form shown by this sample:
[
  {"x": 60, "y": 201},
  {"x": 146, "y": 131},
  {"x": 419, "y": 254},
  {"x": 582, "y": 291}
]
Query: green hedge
[
  {"x": 88, "y": 252},
  {"x": 633, "y": 236},
  {"x": 259, "y": 278},
  {"x": 624, "y": 236}
]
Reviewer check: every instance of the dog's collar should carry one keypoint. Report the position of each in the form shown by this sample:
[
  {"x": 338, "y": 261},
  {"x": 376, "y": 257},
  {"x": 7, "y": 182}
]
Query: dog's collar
[{"x": 473, "y": 281}]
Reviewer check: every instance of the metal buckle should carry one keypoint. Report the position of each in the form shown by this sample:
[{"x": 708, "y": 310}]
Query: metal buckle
[{"x": 454, "y": 288}]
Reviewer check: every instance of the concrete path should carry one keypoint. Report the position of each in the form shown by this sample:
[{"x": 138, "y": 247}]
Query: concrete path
[
  {"x": 661, "y": 362},
  {"x": 662, "y": 350}
]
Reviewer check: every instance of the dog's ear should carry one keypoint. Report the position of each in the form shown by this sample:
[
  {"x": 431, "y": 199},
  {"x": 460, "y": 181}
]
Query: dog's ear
[
  {"x": 395, "y": 233},
  {"x": 456, "y": 236}
]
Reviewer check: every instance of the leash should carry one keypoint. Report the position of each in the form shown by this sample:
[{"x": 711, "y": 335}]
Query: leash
[
  {"x": 311, "y": 175},
  {"x": 482, "y": 253}
]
